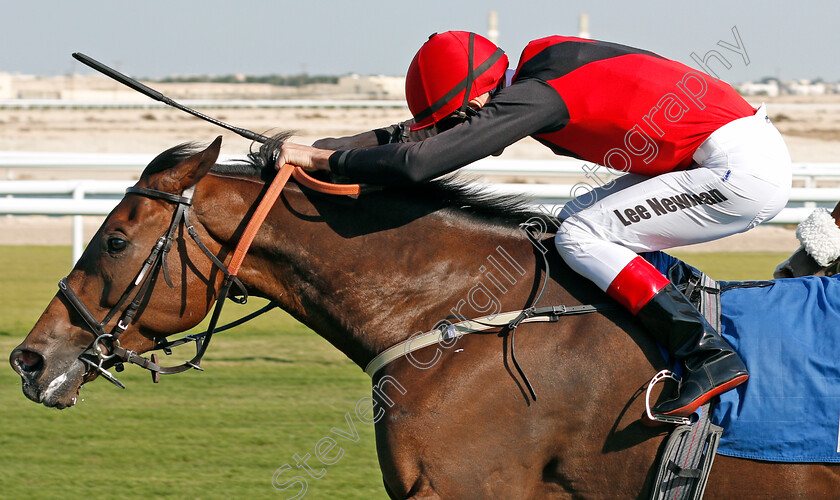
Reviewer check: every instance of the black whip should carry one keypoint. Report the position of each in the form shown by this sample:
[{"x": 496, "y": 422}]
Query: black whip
[{"x": 154, "y": 94}]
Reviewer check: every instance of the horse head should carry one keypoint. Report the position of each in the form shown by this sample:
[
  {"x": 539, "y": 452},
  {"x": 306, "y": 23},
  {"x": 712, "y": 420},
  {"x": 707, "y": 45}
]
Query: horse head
[
  {"x": 117, "y": 278},
  {"x": 819, "y": 254}
]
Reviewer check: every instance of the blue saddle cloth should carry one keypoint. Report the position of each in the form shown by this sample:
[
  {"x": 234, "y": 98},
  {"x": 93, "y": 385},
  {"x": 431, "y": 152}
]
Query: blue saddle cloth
[{"x": 788, "y": 332}]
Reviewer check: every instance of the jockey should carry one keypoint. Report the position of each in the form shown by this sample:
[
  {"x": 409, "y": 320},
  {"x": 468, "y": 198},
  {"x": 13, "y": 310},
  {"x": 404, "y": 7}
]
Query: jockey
[{"x": 700, "y": 163}]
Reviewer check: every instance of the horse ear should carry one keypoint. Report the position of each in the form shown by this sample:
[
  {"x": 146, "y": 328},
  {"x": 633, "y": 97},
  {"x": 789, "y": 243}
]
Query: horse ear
[
  {"x": 836, "y": 212},
  {"x": 188, "y": 171}
]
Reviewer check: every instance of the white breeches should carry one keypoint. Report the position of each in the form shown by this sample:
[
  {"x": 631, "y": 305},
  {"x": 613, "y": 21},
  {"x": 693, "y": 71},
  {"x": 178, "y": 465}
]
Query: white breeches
[{"x": 743, "y": 179}]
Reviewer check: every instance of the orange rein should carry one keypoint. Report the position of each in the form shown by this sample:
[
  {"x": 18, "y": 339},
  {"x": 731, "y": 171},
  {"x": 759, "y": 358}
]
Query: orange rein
[{"x": 274, "y": 190}]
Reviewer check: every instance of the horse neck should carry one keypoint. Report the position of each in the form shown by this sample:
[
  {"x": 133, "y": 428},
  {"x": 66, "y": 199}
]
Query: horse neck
[{"x": 364, "y": 282}]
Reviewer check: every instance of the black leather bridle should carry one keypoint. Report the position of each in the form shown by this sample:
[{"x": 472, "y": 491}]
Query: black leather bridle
[{"x": 105, "y": 350}]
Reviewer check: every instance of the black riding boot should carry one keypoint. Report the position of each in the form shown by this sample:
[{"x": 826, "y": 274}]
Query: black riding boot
[{"x": 712, "y": 367}]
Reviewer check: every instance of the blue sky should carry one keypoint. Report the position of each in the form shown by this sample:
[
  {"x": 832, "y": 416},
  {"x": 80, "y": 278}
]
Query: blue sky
[{"x": 154, "y": 38}]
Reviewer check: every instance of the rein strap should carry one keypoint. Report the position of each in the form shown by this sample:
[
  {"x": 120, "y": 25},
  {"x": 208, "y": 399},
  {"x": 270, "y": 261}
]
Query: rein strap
[
  {"x": 270, "y": 197},
  {"x": 259, "y": 216}
]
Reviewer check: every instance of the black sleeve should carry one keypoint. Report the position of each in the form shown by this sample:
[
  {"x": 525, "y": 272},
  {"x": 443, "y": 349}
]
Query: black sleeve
[
  {"x": 363, "y": 140},
  {"x": 397, "y": 133},
  {"x": 376, "y": 137},
  {"x": 528, "y": 107}
]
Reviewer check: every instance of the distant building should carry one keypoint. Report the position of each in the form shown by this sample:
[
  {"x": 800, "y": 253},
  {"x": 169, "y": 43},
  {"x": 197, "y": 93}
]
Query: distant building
[
  {"x": 773, "y": 87},
  {"x": 805, "y": 87},
  {"x": 372, "y": 87},
  {"x": 6, "y": 91},
  {"x": 767, "y": 87}
]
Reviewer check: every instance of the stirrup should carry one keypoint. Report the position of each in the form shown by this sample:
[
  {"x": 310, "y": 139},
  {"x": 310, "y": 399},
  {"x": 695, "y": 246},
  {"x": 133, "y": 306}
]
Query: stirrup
[{"x": 668, "y": 419}]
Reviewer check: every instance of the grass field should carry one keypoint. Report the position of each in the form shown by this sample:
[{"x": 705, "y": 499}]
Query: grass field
[{"x": 272, "y": 389}]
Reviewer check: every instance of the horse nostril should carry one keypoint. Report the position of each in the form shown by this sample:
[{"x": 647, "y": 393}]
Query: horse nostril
[{"x": 28, "y": 363}]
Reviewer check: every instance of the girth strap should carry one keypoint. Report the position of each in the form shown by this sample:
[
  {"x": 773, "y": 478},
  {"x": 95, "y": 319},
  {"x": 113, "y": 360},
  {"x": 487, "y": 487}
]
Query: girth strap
[
  {"x": 687, "y": 460},
  {"x": 681, "y": 472},
  {"x": 690, "y": 451}
]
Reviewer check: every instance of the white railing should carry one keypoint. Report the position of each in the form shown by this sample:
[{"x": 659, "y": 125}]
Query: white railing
[
  {"x": 14, "y": 163},
  {"x": 73, "y": 198},
  {"x": 94, "y": 197},
  {"x": 62, "y": 198}
]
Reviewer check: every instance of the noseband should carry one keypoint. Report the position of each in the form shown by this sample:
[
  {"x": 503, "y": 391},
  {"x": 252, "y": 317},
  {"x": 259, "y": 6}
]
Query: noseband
[{"x": 106, "y": 345}]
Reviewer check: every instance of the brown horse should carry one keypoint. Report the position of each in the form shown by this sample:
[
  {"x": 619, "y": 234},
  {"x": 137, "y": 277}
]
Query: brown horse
[
  {"x": 803, "y": 264},
  {"x": 454, "y": 420}
]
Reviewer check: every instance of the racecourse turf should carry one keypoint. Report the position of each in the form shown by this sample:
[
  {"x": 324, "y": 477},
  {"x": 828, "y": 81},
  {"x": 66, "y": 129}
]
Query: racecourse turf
[{"x": 272, "y": 390}]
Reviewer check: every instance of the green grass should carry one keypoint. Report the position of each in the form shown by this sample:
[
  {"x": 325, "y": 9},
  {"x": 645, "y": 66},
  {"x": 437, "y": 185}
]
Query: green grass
[
  {"x": 272, "y": 389},
  {"x": 735, "y": 266}
]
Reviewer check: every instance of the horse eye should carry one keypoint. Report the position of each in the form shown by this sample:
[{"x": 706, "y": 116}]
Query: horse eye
[{"x": 116, "y": 245}]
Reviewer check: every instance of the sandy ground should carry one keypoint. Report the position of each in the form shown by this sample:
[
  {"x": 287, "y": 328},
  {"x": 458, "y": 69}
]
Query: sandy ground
[{"x": 811, "y": 127}]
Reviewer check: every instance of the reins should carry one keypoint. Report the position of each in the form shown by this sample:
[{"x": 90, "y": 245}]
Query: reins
[
  {"x": 106, "y": 346},
  {"x": 271, "y": 195}
]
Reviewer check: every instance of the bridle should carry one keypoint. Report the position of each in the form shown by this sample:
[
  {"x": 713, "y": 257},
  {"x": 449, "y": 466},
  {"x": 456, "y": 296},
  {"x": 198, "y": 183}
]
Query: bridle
[
  {"x": 106, "y": 351},
  {"x": 106, "y": 346}
]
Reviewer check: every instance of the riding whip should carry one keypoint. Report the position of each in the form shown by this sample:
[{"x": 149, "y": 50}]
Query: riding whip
[
  {"x": 154, "y": 94},
  {"x": 298, "y": 173}
]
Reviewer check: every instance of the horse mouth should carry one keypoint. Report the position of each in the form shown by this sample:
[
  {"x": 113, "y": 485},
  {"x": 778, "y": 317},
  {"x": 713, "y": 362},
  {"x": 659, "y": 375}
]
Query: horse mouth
[{"x": 62, "y": 391}]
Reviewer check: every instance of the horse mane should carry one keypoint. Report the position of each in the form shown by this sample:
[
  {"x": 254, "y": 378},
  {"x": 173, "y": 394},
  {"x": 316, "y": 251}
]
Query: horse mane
[
  {"x": 453, "y": 193},
  {"x": 172, "y": 157}
]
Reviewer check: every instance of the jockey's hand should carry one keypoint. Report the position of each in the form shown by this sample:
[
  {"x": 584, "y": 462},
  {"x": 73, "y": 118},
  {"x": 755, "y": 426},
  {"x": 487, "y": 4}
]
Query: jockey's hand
[{"x": 306, "y": 157}]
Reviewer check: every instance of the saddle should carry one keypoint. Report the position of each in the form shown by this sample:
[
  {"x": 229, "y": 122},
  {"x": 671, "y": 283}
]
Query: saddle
[{"x": 788, "y": 333}]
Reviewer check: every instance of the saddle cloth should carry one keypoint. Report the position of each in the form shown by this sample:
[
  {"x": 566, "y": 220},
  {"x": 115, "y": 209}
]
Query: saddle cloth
[{"x": 788, "y": 332}]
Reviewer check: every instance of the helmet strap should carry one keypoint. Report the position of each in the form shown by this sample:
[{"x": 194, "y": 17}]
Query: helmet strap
[{"x": 470, "y": 73}]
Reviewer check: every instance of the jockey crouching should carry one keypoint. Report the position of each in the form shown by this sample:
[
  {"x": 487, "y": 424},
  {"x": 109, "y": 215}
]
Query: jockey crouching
[{"x": 701, "y": 164}]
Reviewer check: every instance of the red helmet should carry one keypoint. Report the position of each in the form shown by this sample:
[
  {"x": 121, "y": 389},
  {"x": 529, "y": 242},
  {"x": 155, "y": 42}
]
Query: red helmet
[{"x": 444, "y": 66}]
